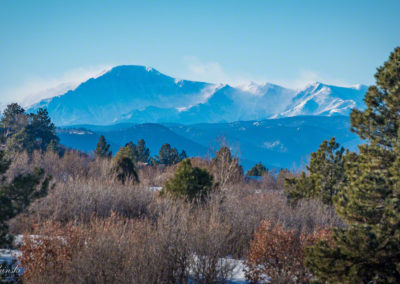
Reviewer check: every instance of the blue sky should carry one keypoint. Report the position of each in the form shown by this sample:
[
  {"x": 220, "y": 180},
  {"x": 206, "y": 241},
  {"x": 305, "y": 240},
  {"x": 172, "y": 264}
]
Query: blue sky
[{"x": 48, "y": 46}]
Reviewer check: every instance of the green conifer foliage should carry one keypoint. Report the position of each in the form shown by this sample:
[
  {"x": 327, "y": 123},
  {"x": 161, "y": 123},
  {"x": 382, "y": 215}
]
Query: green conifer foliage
[
  {"x": 191, "y": 183},
  {"x": 28, "y": 132},
  {"x": 102, "y": 148},
  {"x": 258, "y": 170},
  {"x": 17, "y": 195},
  {"x": 42, "y": 129},
  {"x": 326, "y": 174},
  {"x": 124, "y": 165},
  {"x": 168, "y": 156},
  {"x": 367, "y": 251},
  {"x": 143, "y": 153},
  {"x": 14, "y": 119}
]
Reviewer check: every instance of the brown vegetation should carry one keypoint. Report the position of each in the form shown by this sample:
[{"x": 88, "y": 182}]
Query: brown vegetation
[
  {"x": 277, "y": 254},
  {"x": 94, "y": 229}
]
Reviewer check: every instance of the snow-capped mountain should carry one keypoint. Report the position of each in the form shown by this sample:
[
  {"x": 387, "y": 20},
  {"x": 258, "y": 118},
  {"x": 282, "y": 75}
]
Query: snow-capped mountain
[
  {"x": 138, "y": 94},
  {"x": 321, "y": 99},
  {"x": 106, "y": 99}
]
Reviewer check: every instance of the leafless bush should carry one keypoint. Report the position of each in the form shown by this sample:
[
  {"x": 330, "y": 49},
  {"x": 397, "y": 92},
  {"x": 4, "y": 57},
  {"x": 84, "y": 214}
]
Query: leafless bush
[
  {"x": 155, "y": 175},
  {"x": 83, "y": 198},
  {"x": 71, "y": 165},
  {"x": 152, "y": 239},
  {"x": 211, "y": 239},
  {"x": 244, "y": 210},
  {"x": 19, "y": 164},
  {"x": 182, "y": 245},
  {"x": 112, "y": 250},
  {"x": 278, "y": 254}
]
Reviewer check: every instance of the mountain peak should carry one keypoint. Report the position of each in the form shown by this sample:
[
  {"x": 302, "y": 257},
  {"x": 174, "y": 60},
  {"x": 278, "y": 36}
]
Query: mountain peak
[
  {"x": 327, "y": 100},
  {"x": 138, "y": 94},
  {"x": 133, "y": 69}
]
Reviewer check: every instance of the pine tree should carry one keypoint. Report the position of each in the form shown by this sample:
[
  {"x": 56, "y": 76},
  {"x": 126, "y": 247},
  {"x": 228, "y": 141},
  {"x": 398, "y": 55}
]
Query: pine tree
[
  {"x": 168, "y": 156},
  {"x": 102, "y": 148},
  {"x": 124, "y": 165},
  {"x": 191, "y": 183},
  {"x": 41, "y": 129},
  {"x": 367, "y": 251},
  {"x": 143, "y": 153},
  {"x": 258, "y": 170},
  {"x": 326, "y": 174},
  {"x": 28, "y": 132},
  {"x": 18, "y": 194},
  {"x": 13, "y": 119}
]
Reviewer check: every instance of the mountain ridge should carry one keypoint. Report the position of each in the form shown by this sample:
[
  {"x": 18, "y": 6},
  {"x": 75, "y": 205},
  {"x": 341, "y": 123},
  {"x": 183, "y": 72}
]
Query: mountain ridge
[
  {"x": 274, "y": 142},
  {"x": 139, "y": 94}
]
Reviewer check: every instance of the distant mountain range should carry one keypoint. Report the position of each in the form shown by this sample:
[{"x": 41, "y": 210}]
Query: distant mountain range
[
  {"x": 283, "y": 142},
  {"x": 269, "y": 123},
  {"x": 138, "y": 94}
]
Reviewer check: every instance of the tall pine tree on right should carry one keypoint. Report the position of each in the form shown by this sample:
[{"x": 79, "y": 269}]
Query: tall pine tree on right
[{"x": 368, "y": 249}]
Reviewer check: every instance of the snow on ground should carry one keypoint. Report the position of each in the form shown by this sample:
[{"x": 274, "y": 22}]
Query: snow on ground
[
  {"x": 9, "y": 256},
  {"x": 238, "y": 276}
]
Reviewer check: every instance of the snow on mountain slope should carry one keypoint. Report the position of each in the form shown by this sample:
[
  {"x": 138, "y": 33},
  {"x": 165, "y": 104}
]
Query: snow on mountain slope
[
  {"x": 124, "y": 88},
  {"x": 139, "y": 94},
  {"x": 326, "y": 100}
]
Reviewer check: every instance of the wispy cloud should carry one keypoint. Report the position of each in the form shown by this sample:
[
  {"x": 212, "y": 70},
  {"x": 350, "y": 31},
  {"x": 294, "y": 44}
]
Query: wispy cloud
[
  {"x": 306, "y": 77},
  {"x": 214, "y": 72},
  {"x": 35, "y": 89},
  {"x": 211, "y": 71}
]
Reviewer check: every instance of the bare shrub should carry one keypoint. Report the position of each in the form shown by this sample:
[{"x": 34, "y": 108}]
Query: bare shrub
[
  {"x": 81, "y": 199},
  {"x": 153, "y": 175},
  {"x": 19, "y": 164},
  {"x": 278, "y": 254},
  {"x": 151, "y": 239},
  {"x": 116, "y": 251},
  {"x": 243, "y": 210},
  {"x": 100, "y": 168},
  {"x": 195, "y": 241},
  {"x": 211, "y": 239},
  {"x": 225, "y": 168},
  {"x": 46, "y": 257},
  {"x": 181, "y": 245},
  {"x": 112, "y": 250},
  {"x": 71, "y": 165}
]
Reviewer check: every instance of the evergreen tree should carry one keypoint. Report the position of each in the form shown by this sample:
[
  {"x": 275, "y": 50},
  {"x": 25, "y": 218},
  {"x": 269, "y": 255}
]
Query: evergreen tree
[
  {"x": 41, "y": 129},
  {"x": 124, "y": 165},
  {"x": 258, "y": 170},
  {"x": 326, "y": 174},
  {"x": 17, "y": 195},
  {"x": 189, "y": 182},
  {"x": 13, "y": 119},
  {"x": 21, "y": 141},
  {"x": 102, "y": 148},
  {"x": 143, "y": 153},
  {"x": 367, "y": 251},
  {"x": 133, "y": 146},
  {"x": 28, "y": 132},
  {"x": 168, "y": 156},
  {"x": 182, "y": 155}
]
